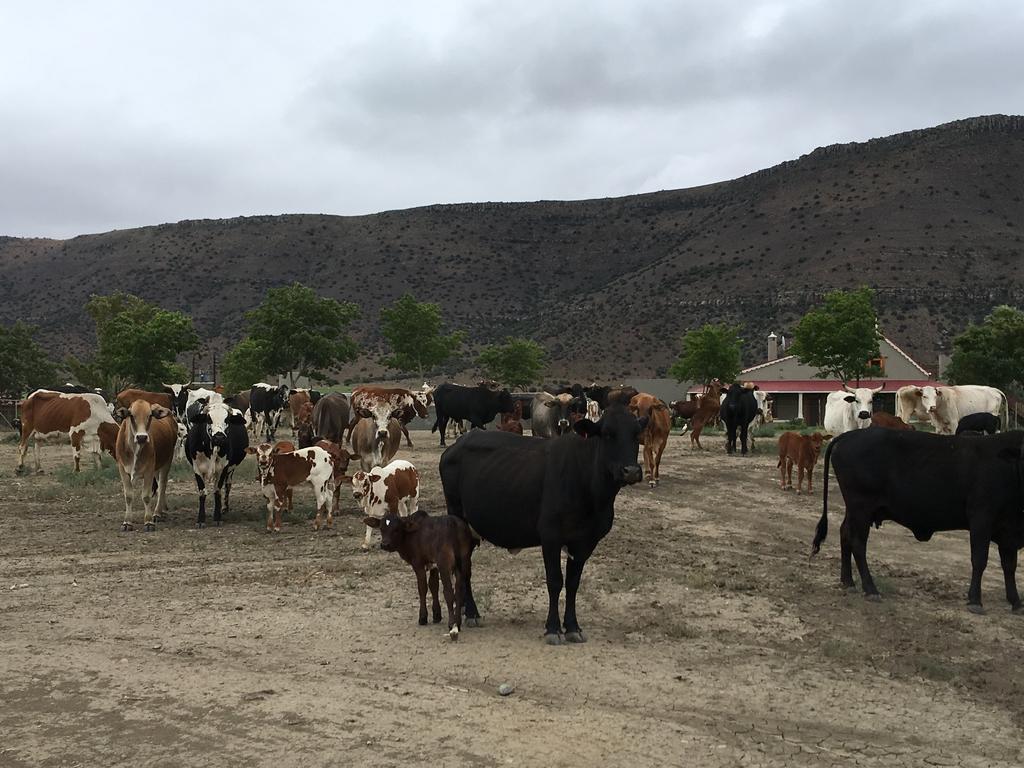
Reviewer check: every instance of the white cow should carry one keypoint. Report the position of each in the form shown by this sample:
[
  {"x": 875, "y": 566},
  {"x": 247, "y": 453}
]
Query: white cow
[
  {"x": 908, "y": 404},
  {"x": 849, "y": 409},
  {"x": 391, "y": 489},
  {"x": 947, "y": 405}
]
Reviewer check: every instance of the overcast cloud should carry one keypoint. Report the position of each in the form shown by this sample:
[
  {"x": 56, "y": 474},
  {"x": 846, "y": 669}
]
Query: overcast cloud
[{"x": 121, "y": 114}]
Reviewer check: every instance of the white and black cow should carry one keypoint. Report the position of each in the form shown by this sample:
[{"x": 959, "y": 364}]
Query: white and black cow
[
  {"x": 215, "y": 445},
  {"x": 849, "y": 409},
  {"x": 267, "y": 404}
]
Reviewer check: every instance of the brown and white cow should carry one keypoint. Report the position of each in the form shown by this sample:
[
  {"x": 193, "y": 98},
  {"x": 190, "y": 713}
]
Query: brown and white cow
[
  {"x": 144, "y": 452},
  {"x": 374, "y": 448},
  {"x": 654, "y": 436},
  {"x": 802, "y": 450},
  {"x": 83, "y": 417},
  {"x": 391, "y": 489},
  {"x": 280, "y": 471},
  {"x": 381, "y": 404}
]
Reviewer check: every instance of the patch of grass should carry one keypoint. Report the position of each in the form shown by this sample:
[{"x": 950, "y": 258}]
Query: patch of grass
[
  {"x": 677, "y": 629},
  {"x": 886, "y": 585},
  {"x": 841, "y": 650},
  {"x": 88, "y": 477},
  {"x": 933, "y": 669}
]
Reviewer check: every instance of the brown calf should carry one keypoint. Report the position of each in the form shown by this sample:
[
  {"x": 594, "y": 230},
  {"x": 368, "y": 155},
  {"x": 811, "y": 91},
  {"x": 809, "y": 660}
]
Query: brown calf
[
  {"x": 144, "y": 451},
  {"x": 512, "y": 422},
  {"x": 371, "y": 449},
  {"x": 280, "y": 471},
  {"x": 442, "y": 545},
  {"x": 707, "y": 412},
  {"x": 654, "y": 437},
  {"x": 887, "y": 420},
  {"x": 802, "y": 450}
]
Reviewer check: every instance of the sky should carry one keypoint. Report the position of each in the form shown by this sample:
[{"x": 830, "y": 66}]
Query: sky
[{"x": 124, "y": 114}]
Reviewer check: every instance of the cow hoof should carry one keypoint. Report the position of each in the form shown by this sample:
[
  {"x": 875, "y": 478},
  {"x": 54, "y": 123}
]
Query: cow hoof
[
  {"x": 149, "y": 527},
  {"x": 976, "y": 609},
  {"x": 652, "y": 484},
  {"x": 200, "y": 524},
  {"x": 453, "y": 633},
  {"x": 851, "y": 588},
  {"x": 873, "y": 597},
  {"x": 473, "y": 622},
  {"x": 437, "y": 619},
  {"x": 422, "y": 621},
  {"x": 364, "y": 547},
  {"x": 1018, "y": 608},
  {"x": 553, "y": 638},
  {"x": 277, "y": 530},
  {"x": 216, "y": 523},
  {"x": 127, "y": 527},
  {"x": 575, "y": 637}
]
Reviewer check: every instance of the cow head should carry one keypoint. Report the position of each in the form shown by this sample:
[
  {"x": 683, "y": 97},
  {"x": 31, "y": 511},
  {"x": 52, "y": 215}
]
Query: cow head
[
  {"x": 860, "y": 402},
  {"x": 265, "y": 453},
  {"x": 179, "y": 397},
  {"x": 425, "y": 395},
  {"x": 361, "y": 484},
  {"x": 931, "y": 399},
  {"x": 619, "y": 434},
  {"x": 394, "y": 529},
  {"x": 215, "y": 419},
  {"x": 562, "y": 407},
  {"x": 138, "y": 419},
  {"x": 381, "y": 412}
]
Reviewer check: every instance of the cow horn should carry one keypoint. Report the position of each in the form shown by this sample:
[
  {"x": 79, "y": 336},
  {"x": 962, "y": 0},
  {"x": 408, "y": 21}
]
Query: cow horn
[
  {"x": 847, "y": 389},
  {"x": 878, "y": 389}
]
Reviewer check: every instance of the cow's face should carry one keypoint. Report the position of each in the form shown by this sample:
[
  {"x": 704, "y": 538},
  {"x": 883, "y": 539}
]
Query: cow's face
[
  {"x": 860, "y": 402},
  {"x": 219, "y": 416},
  {"x": 381, "y": 412},
  {"x": 619, "y": 433},
  {"x": 561, "y": 411},
  {"x": 393, "y": 529},
  {"x": 361, "y": 482},
  {"x": 264, "y": 453},
  {"x": 421, "y": 402},
  {"x": 139, "y": 418},
  {"x": 179, "y": 397},
  {"x": 931, "y": 399}
]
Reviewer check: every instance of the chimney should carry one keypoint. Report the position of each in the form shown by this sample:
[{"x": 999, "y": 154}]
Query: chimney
[{"x": 773, "y": 347}]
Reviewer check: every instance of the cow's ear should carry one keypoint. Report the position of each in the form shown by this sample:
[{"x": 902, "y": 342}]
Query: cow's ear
[
  {"x": 363, "y": 413},
  {"x": 355, "y": 457},
  {"x": 826, "y": 436},
  {"x": 849, "y": 398},
  {"x": 586, "y": 428},
  {"x": 551, "y": 403},
  {"x": 236, "y": 418},
  {"x": 373, "y": 522},
  {"x": 250, "y": 449},
  {"x": 201, "y": 418},
  {"x": 375, "y": 478},
  {"x": 159, "y": 412},
  {"x": 121, "y": 414}
]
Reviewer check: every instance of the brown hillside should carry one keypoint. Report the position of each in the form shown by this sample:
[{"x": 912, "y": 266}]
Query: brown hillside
[{"x": 931, "y": 218}]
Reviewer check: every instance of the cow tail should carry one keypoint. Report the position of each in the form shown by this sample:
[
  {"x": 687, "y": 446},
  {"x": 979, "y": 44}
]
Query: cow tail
[{"x": 822, "y": 530}]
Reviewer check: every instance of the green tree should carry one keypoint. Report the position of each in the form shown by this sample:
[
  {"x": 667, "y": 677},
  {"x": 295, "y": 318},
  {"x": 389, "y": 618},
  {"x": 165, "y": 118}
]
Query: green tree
[
  {"x": 710, "y": 352},
  {"x": 991, "y": 353},
  {"x": 413, "y": 329},
  {"x": 24, "y": 365},
  {"x": 137, "y": 342},
  {"x": 243, "y": 366},
  {"x": 294, "y": 331},
  {"x": 517, "y": 363},
  {"x": 840, "y": 337}
]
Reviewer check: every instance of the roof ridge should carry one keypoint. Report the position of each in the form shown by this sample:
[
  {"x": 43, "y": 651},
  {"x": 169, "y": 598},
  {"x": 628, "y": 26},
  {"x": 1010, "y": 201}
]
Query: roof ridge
[{"x": 911, "y": 360}]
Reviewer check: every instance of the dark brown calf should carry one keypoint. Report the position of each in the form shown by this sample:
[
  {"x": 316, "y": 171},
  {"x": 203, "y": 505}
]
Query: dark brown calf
[
  {"x": 443, "y": 545},
  {"x": 887, "y": 420},
  {"x": 802, "y": 450},
  {"x": 512, "y": 422}
]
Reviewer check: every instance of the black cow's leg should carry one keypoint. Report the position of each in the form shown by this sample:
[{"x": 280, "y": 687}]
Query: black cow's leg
[
  {"x": 435, "y": 605},
  {"x": 845, "y": 557},
  {"x": 1008, "y": 559},
  {"x": 553, "y": 572},
  {"x": 201, "y": 518},
  {"x": 573, "y": 574},
  {"x": 442, "y": 425},
  {"x": 859, "y": 547},
  {"x": 421, "y": 585},
  {"x": 216, "y": 506},
  {"x": 744, "y": 426},
  {"x": 466, "y": 589},
  {"x": 980, "y": 541}
]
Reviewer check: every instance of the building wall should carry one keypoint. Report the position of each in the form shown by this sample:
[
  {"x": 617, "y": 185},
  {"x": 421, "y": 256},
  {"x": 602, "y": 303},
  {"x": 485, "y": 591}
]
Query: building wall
[{"x": 896, "y": 367}]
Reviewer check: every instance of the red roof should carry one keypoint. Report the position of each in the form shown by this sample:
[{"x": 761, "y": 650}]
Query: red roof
[{"x": 783, "y": 386}]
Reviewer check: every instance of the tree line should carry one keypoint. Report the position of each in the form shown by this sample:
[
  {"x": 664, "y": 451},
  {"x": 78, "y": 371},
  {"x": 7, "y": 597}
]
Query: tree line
[{"x": 295, "y": 332}]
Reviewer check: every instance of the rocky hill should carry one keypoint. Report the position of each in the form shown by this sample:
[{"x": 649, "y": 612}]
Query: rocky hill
[{"x": 932, "y": 219}]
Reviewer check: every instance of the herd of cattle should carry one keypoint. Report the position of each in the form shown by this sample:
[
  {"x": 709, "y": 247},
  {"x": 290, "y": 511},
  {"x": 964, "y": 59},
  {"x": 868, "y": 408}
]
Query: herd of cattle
[{"x": 556, "y": 489}]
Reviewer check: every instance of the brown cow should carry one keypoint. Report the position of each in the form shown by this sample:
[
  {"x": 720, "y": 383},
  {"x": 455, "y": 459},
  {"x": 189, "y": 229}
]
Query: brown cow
[
  {"x": 280, "y": 471},
  {"x": 512, "y": 422},
  {"x": 297, "y": 399},
  {"x": 381, "y": 403},
  {"x": 126, "y": 397},
  {"x": 304, "y": 426},
  {"x": 802, "y": 450},
  {"x": 622, "y": 394},
  {"x": 707, "y": 412},
  {"x": 374, "y": 449},
  {"x": 78, "y": 415},
  {"x": 444, "y": 546},
  {"x": 888, "y": 421},
  {"x": 654, "y": 437},
  {"x": 145, "y": 449}
]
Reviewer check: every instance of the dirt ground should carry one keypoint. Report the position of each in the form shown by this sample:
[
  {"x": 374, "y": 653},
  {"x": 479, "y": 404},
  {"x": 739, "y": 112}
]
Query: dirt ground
[{"x": 713, "y": 640}]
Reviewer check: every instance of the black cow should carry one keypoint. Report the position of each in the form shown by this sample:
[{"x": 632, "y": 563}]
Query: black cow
[
  {"x": 599, "y": 395},
  {"x": 266, "y": 404},
  {"x": 929, "y": 483},
  {"x": 988, "y": 423},
  {"x": 519, "y": 492},
  {"x": 621, "y": 394},
  {"x": 477, "y": 405},
  {"x": 215, "y": 445},
  {"x": 737, "y": 411},
  {"x": 527, "y": 404}
]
